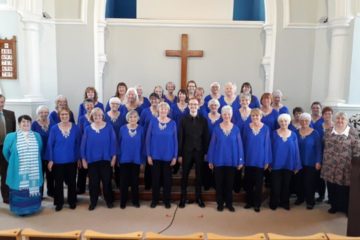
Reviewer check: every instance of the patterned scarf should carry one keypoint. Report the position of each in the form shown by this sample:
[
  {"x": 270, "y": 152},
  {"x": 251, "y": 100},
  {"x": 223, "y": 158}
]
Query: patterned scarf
[{"x": 29, "y": 171}]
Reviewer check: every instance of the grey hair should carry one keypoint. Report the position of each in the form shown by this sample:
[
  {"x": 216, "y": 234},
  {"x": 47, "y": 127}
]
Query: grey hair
[
  {"x": 245, "y": 95},
  {"x": 233, "y": 85},
  {"x": 135, "y": 92},
  {"x": 132, "y": 112},
  {"x": 284, "y": 116},
  {"x": 227, "y": 109},
  {"x": 277, "y": 93},
  {"x": 115, "y": 100},
  {"x": 305, "y": 116},
  {"x": 214, "y": 101},
  {"x": 214, "y": 84},
  {"x": 342, "y": 114},
  {"x": 41, "y": 107},
  {"x": 164, "y": 104}
]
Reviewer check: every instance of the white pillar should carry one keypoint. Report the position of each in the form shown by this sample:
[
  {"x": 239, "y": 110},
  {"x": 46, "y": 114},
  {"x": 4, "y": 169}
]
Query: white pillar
[
  {"x": 340, "y": 19},
  {"x": 268, "y": 61}
]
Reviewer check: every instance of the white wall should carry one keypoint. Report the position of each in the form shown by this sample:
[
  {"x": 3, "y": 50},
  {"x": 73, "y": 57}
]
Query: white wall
[
  {"x": 185, "y": 9},
  {"x": 136, "y": 55},
  {"x": 354, "y": 96}
]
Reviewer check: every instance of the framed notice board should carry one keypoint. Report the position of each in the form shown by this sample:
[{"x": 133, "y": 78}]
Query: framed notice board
[{"x": 8, "y": 59}]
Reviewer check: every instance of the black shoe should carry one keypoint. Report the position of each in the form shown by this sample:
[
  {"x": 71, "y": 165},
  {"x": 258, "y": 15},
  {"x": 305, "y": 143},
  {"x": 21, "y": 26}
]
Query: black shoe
[
  {"x": 182, "y": 203},
  {"x": 286, "y": 207},
  {"x": 167, "y": 205},
  {"x": 122, "y": 205},
  {"x": 91, "y": 207},
  {"x": 72, "y": 206},
  {"x": 136, "y": 204},
  {"x": 6, "y": 201},
  {"x": 110, "y": 205},
  {"x": 257, "y": 209},
  {"x": 299, "y": 202},
  {"x": 220, "y": 208},
  {"x": 309, "y": 206},
  {"x": 231, "y": 208},
  {"x": 332, "y": 210},
  {"x": 58, "y": 208},
  {"x": 320, "y": 199},
  {"x": 50, "y": 194},
  {"x": 153, "y": 204},
  {"x": 200, "y": 202},
  {"x": 247, "y": 206},
  {"x": 79, "y": 192},
  {"x": 273, "y": 207}
]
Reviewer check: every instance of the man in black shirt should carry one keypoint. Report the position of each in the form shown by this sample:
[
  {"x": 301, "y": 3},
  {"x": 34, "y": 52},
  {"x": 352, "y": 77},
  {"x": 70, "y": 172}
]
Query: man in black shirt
[{"x": 193, "y": 144}]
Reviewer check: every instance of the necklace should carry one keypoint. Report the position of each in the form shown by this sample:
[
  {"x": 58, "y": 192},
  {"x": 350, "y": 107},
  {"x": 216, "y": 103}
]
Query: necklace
[
  {"x": 44, "y": 126},
  {"x": 132, "y": 132},
  {"x": 65, "y": 132},
  {"x": 162, "y": 126}
]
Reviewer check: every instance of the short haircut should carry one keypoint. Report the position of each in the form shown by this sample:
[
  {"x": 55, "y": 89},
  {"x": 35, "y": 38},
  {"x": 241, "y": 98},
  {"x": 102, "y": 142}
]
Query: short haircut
[
  {"x": 24, "y": 117},
  {"x": 135, "y": 93},
  {"x": 194, "y": 99},
  {"x": 115, "y": 100},
  {"x": 60, "y": 98},
  {"x": 2, "y": 96},
  {"x": 227, "y": 109},
  {"x": 170, "y": 83},
  {"x": 316, "y": 103},
  {"x": 40, "y": 108},
  {"x": 88, "y": 100},
  {"x": 305, "y": 116},
  {"x": 214, "y": 101},
  {"x": 327, "y": 109},
  {"x": 284, "y": 116},
  {"x": 233, "y": 85},
  {"x": 342, "y": 114},
  {"x": 245, "y": 95},
  {"x": 130, "y": 113},
  {"x": 297, "y": 110},
  {"x": 213, "y": 84},
  {"x": 154, "y": 95},
  {"x": 183, "y": 91},
  {"x": 277, "y": 93},
  {"x": 191, "y": 81},
  {"x": 91, "y": 89},
  {"x": 256, "y": 111},
  {"x": 266, "y": 95},
  {"x": 164, "y": 104},
  {"x": 246, "y": 84},
  {"x": 94, "y": 111},
  {"x": 64, "y": 109}
]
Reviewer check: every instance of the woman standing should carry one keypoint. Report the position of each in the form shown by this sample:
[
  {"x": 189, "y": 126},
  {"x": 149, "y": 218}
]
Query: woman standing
[
  {"x": 242, "y": 117},
  {"x": 22, "y": 151},
  {"x": 143, "y": 101},
  {"x": 247, "y": 89},
  {"x": 310, "y": 154},
  {"x": 63, "y": 152},
  {"x": 120, "y": 92},
  {"x": 132, "y": 103},
  {"x": 285, "y": 162},
  {"x": 295, "y": 122},
  {"x": 41, "y": 126},
  {"x": 225, "y": 155},
  {"x": 270, "y": 115},
  {"x": 161, "y": 156},
  {"x": 98, "y": 153},
  {"x": 341, "y": 146},
  {"x": 90, "y": 93},
  {"x": 277, "y": 105},
  {"x": 230, "y": 97},
  {"x": 258, "y": 156},
  {"x": 170, "y": 97},
  {"x": 214, "y": 93},
  {"x": 180, "y": 109},
  {"x": 60, "y": 103},
  {"x": 131, "y": 156}
]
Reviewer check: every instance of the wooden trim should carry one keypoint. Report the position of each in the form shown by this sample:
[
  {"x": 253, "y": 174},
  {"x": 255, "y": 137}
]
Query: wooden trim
[
  {"x": 157, "y": 236},
  {"x": 28, "y": 233},
  {"x": 14, "y": 233},
  {"x": 213, "y": 236},
  {"x": 90, "y": 234}
]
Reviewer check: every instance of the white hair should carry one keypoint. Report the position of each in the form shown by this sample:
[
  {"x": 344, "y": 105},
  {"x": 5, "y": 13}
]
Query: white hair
[
  {"x": 227, "y": 109},
  {"x": 132, "y": 112},
  {"x": 233, "y": 85},
  {"x": 135, "y": 93},
  {"x": 214, "y": 101},
  {"x": 115, "y": 100},
  {"x": 164, "y": 104},
  {"x": 245, "y": 95},
  {"x": 277, "y": 93},
  {"x": 284, "y": 116},
  {"x": 305, "y": 116},
  {"x": 342, "y": 114},
  {"x": 214, "y": 84},
  {"x": 40, "y": 108}
]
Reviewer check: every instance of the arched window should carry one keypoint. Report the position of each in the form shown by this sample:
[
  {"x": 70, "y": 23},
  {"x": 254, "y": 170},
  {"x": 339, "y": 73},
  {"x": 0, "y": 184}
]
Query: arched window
[
  {"x": 120, "y": 9},
  {"x": 249, "y": 10}
]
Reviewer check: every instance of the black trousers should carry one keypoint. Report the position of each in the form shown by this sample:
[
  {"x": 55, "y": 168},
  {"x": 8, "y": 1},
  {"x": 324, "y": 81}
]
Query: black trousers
[
  {"x": 65, "y": 173},
  {"x": 129, "y": 176},
  {"x": 253, "y": 185},
  {"x": 208, "y": 178},
  {"x": 50, "y": 180},
  {"x": 3, "y": 173},
  {"x": 147, "y": 176},
  {"x": 81, "y": 180},
  {"x": 99, "y": 171},
  {"x": 161, "y": 168},
  {"x": 117, "y": 175},
  {"x": 280, "y": 188},
  {"x": 189, "y": 158},
  {"x": 238, "y": 180},
  {"x": 306, "y": 184},
  {"x": 224, "y": 182},
  {"x": 338, "y": 196},
  {"x": 320, "y": 185}
]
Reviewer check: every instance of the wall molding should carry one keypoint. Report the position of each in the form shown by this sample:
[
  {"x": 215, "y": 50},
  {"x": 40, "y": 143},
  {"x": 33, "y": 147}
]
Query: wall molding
[
  {"x": 76, "y": 21},
  {"x": 184, "y": 23}
]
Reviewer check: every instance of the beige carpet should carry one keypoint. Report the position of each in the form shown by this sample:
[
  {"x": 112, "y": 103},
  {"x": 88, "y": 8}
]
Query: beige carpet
[{"x": 297, "y": 221}]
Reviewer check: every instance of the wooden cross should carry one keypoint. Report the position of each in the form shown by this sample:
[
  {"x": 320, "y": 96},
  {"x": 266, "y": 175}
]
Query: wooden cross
[{"x": 184, "y": 53}]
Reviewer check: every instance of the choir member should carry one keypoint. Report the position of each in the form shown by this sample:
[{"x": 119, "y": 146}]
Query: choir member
[
  {"x": 41, "y": 126},
  {"x": 258, "y": 156},
  {"x": 22, "y": 151},
  {"x": 214, "y": 93},
  {"x": 132, "y": 103},
  {"x": 316, "y": 118},
  {"x": 242, "y": 117},
  {"x": 270, "y": 115},
  {"x": 285, "y": 162},
  {"x": 170, "y": 97},
  {"x": 180, "y": 109},
  {"x": 162, "y": 151},
  {"x": 98, "y": 153},
  {"x": 310, "y": 154},
  {"x": 143, "y": 101},
  {"x": 190, "y": 88},
  {"x": 90, "y": 93},
  {"x": 159, "y": 91},
  {"x": 230, "y": 97},
  {"x": 199, "y": 95},
  {"x": 225, "y": 155},
  {"x": 276, "y": 104},
  {"x": 130, "y": 157},
  {"x": 120, "y": 92},
  {"x": 341, "y": 147},
  {"x": 295, "y": 122},
  {"x": 246, "y": 88},
  {"x": 60, "y": 103},
  {"x": 63, "y": 153},
  {"x": 193, "y": 144}
]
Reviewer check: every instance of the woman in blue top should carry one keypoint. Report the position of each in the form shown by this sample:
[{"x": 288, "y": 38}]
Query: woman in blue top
[
  {"x": 247, "y": 89},
  {"x": 214, "y": 94},
  {"x": 225, "y": 155},
  {"x": 270, "y": 115},
  {"x": 230, "y": 97},
  {"x": 180, "y": 109},
  {"x": 170, "y": 98},
  {"x": 162, "y": 151},
  {"x": 41, "y": 126},
  {"x": 131, "y": 103},
  {"x": 257, "y": 149},
  {"x": 131, "y": 156},
  {"x": 98, "y": 153},
  {"x": 143, "y": 101},
  {"x": 120, "y": 92},
  {"x": 90, "y": 93},
  {"x": 22, "y": 151},
  {"x": 63, "y": 153},
  {"x": 310, "y": 155},
  {"x": 199, "y": 94},
  {"x": 295, "y": 122},
  {"x": 60, "y": 103},
  {"x": 285, "y": 162},
  {"x": 276, "y": 104},
  {"x": 242, "y": 117}
]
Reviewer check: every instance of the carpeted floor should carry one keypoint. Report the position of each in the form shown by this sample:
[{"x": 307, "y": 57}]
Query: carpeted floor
[{"x": 297, "y": 221}]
